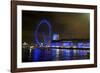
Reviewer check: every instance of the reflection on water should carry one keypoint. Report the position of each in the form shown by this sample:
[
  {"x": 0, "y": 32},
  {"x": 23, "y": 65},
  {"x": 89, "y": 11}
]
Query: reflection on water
[
  {"x": 56, "y": 51},
  {"x": 40, "y": 54}
]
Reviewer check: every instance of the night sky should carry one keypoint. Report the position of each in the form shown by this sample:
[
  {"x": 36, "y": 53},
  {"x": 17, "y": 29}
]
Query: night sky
[{"x": 67, "y": 25}]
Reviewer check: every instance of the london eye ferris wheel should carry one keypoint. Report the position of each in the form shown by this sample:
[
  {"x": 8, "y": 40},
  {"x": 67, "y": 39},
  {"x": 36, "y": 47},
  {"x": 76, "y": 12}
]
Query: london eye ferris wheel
[{"x": 43, "y": 33}]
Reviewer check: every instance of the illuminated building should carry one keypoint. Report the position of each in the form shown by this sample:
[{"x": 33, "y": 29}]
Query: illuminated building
[{"x": 55, "y": 37}]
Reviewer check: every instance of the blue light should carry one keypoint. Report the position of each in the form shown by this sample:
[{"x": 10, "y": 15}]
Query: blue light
[
  {"x": 36, "y": 54},
  {"x": 42, "y": 22},
  {"x": 53, "y": 53},
  {"x": 87, "y": 45},
  {"x": 83, "y": 45},
  {"x": 52, "y": 44},
  {"x": 68, "y": 44},
  {"x": 44, "y": 55},
  {"x": 71, "y": 54},
  {"x": 80, "y": 45},
  {"x": 56, "y": 44},
  {"x": 81, "y": 53},
  {"x": 55, "y": 36},
  {"x": 65, "y": 54}
]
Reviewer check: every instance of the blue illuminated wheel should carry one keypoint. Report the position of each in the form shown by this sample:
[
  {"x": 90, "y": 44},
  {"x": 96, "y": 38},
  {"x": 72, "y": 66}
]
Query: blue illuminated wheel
[{"x": 45, "y": 33}]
